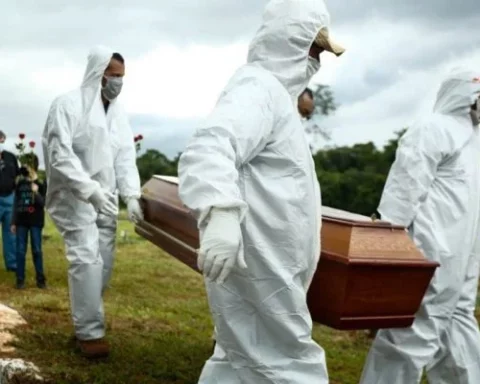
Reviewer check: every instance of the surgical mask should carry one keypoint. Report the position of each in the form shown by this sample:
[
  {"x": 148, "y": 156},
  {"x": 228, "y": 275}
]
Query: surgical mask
[
  {"x": 312, "y": 67},
  {"x": 112, "y": 88},
  {"x": 2, "y": 147}
]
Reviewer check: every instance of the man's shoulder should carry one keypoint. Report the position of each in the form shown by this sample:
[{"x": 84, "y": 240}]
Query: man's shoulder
[
  {"x": 443, "y": 131},
  {"x": 68, "y": 102},
  {"x": 256, "y": 84},
  {"x": 256, "y": 76},
  {"x": 9, "y": 155}
]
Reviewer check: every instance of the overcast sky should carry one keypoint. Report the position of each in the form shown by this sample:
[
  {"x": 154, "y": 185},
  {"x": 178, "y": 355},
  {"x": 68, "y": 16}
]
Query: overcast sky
[{"x": 179, "y": 55}]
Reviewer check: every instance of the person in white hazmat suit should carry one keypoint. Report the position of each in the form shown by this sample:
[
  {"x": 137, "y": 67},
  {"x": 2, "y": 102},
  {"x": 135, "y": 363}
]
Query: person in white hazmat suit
[
  {"x": 90, "y": 155},
  {"x": 433, "y": 189},
  {"x": 248, "y": 177}
]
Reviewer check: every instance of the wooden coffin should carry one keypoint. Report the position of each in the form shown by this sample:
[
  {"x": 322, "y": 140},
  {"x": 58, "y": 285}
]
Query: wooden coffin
[{"x": 370, "y": 274}]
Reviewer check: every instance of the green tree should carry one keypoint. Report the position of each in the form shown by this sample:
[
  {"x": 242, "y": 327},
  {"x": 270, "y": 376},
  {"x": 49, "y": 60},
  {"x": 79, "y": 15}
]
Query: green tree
[
  {"x": 324, "y": 100},
  {"x": 324, "y": 105},
  {"x": 153, "y": 162},
  {"x": 352, "y": 178}
]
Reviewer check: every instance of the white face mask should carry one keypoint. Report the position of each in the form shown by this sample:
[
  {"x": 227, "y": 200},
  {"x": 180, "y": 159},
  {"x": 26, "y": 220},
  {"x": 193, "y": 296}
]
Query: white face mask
[
  {"x": 2, "y": 147},
  {"x": 112, "y": 88},
  {"x": 312, "y": 67}
]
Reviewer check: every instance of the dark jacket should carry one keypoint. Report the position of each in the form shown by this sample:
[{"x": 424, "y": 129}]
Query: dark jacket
[
  {"x": 29, "y": 207},
  {"x": 9, "y": 171}
]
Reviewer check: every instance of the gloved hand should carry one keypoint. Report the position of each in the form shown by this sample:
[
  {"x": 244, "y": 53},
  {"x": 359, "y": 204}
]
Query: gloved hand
[
  {"x": 134, "y": 210},
  {"x": 104, "y": 201},
  {"x": 221, "y": 246}
]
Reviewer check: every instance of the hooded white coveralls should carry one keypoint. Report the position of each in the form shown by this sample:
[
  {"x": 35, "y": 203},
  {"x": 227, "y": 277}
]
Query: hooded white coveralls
[
  {"x": 251, "y": 153},
  {"x": 86, "y": 149},
  {"x": 433, "y": 188}
]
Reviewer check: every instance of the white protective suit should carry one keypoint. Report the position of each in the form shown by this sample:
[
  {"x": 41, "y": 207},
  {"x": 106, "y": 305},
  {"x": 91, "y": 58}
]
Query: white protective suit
[
  {"x": 87, "y": 149},
  {"x": 433, "y": 189},
  {"x": 251, "y": 153}
]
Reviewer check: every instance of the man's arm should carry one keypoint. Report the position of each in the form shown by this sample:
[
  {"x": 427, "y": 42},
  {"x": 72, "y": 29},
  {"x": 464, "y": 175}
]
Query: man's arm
[
  {"x": 418, "y": 155},
  {"x": 61, "y": 157},
  {"x": 126, "y": 171},
  {"x": 237, "y": 130}
]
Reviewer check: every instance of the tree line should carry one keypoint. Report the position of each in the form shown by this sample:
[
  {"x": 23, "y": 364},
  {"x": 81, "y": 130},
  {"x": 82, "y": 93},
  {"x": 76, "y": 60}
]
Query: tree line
[{"x": 351, "y": 177}]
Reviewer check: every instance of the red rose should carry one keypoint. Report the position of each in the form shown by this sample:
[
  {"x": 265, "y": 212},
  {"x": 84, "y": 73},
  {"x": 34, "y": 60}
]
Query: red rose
[
  {"x": 140, "y": 137},
  {"x": 32, "y": 144},
  {"x": 21, "y": 136},
  {"x": 135, "y": 139},
  {"x": 31, "y": 209}
]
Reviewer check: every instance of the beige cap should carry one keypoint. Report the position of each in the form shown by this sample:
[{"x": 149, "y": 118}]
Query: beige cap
[{"x": 323, "y": 40}]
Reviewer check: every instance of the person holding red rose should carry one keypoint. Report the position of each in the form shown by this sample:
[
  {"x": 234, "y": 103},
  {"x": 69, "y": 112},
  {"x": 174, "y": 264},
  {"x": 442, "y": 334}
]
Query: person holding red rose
[{"x": 29, "y": 218}]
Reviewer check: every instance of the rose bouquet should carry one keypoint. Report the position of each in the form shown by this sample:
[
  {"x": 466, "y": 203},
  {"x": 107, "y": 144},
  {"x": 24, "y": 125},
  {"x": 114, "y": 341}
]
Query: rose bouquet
[
  {"x": 138, "y": 142},
  {"x": 27, "y": 160}
]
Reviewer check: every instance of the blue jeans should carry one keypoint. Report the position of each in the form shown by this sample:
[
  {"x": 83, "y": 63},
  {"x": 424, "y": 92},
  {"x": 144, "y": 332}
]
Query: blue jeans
[
  {"x": 8, "y": 238},
  {"x": 37, "y": 254}
]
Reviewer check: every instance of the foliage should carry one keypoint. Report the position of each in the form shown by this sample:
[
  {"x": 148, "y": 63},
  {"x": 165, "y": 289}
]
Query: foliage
[
  {"x": 153, "y": 162},
  {"x": 25, "y": 158},
  {"x": 324, "y": 105},
  {"x": 324, "y": 100}
]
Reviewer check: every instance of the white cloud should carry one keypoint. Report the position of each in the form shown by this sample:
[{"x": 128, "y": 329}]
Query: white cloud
[
  {"x": 180, "y": 82},
  {"x": 181, "y": 54},
  {"x": 378, "y": 116}
]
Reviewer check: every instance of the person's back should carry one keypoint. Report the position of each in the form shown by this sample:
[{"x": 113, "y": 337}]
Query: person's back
[{"x": 433, "y": 189}]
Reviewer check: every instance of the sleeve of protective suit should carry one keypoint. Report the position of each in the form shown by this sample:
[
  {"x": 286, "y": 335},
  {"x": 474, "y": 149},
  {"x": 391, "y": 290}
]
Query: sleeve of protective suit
[
  {"x": 239, "y": 127},
  {"x": 62, "y": 158},
  {"x": 418, "y": 155},
  {"x": 126, "y": 171}
]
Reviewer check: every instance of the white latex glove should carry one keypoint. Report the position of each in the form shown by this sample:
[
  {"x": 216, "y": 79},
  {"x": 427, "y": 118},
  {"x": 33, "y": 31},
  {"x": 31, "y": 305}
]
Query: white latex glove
[
  {"x": 221, "y": 246},
  {"x": 104, "y": 201},
  {"x": 134, "y": 210}
]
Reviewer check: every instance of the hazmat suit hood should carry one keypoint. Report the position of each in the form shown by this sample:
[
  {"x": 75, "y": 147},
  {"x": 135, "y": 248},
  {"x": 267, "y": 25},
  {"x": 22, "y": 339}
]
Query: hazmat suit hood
[
  {"x": 458, "y": 93},
  {"x": 282, "y": 43},
  {"x": 98, "y": 61}
]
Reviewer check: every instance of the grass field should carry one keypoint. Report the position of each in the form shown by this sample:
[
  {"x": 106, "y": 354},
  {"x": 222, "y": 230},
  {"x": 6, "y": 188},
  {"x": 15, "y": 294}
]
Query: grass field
[{"x": 158, "y": 321}]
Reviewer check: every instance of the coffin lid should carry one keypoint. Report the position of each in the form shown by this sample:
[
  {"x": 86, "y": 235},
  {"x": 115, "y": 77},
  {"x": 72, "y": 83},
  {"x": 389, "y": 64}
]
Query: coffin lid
[{"x": 331, "y": 214}]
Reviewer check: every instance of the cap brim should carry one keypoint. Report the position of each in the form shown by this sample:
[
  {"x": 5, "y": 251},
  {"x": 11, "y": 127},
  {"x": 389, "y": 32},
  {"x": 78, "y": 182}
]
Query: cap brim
[
  {"x": 324, "y": 41},
  {"x": 336, "y": 49}
]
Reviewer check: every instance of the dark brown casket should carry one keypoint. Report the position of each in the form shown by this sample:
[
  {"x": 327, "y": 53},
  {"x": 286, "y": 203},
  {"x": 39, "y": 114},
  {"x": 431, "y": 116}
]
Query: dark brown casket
[{"x": 370, "y": 274}]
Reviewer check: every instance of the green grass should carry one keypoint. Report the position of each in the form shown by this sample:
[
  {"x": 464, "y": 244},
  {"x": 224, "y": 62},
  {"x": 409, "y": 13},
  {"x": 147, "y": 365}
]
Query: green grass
[{"x": 158, "y": 321}]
